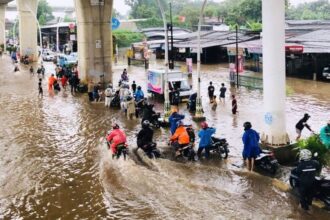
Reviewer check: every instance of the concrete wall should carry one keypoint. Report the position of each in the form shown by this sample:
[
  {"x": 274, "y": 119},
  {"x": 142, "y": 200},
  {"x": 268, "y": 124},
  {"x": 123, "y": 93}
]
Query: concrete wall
[
  {"x": 94, "y": 39},
  {"x": 2, "y": 23},
  {"x": 28, "y": 27}
]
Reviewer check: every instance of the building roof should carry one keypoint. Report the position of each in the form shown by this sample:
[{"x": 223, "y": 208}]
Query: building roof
[
  {"x": 313, "y": 42},
  {"x": 213, "y": 38}
]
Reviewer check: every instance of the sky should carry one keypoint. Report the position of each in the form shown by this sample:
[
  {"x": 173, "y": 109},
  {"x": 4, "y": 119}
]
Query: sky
[{"x": 119, "y": 5}]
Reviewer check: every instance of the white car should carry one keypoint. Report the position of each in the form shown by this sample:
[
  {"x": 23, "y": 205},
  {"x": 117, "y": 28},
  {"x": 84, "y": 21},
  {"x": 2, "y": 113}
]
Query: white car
[
  {"x": 326, "y": 72},
  {"x": 48, "y": 56}
]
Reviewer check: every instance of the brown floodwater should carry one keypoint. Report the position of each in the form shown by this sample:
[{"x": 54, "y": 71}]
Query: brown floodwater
[{"x": 55, "y": 165}]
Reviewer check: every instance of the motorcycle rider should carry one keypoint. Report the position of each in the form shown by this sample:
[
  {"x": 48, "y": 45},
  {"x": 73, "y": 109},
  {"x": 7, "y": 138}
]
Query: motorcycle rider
[
  {"x": 180, "y": 138},
  {"x": 116, "y": 137},
  {"x": 325, "y": 135},
  {"x": 306, "y": 170},
  {"x": 139, "y": 95},
  {"x": 251, "y": 145},
  {"x": 173, "y": 120},
  {"x": 205, "y": 135},
  {"x": 144, "y": 138}
]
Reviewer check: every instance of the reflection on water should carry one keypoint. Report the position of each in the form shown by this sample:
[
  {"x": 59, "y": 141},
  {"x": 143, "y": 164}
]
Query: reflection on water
[{"x": 54, "y": 163}]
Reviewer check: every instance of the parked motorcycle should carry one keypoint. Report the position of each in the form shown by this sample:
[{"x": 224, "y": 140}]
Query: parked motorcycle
[
  {"x": 191, "y": 104},
  {"x": 267, "y": 161},
  {"x": 220, "y": 146},
  {"x": 321, "y": 187}
]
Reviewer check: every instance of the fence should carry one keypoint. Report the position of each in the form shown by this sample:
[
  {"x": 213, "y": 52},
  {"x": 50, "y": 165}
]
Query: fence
[{"x": 247, "y": 81}]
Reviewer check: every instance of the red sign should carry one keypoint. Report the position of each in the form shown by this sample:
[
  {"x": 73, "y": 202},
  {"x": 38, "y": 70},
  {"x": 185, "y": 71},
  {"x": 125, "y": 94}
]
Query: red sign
[
  {"x": 71, "y": 26},
  {"x": 294, "y": 49}
]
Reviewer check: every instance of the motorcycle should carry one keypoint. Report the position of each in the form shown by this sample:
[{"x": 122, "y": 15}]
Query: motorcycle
[
  {"x": 187, "y": 152},
  {"x": 321, "y": 187},
  {"x": 151, "y": 151},
  {"x": 267, "y": 161},
  {"x": 121, "y": 150},
  {"x": 220, "y": 146},
  {"x": 191, "y": 105}
]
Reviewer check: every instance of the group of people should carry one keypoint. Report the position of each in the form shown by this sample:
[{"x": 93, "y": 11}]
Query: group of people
[
  {"x": 222, "y": 97},
  {"x": 130, "y": 98},
  {"x": 63, "y": 76}
]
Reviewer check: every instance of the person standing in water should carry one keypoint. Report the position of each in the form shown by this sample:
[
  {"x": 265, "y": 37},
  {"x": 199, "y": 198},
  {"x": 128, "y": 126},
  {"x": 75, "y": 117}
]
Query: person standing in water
[{"x": 223, "y": 90}]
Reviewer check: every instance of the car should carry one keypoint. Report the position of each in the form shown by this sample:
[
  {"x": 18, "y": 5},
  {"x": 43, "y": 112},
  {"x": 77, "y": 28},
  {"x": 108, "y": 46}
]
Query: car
[
  {"x": 326, "y": 72},
  {"x": 66, "y": 60},
  {"x": 48, "y": 56}
]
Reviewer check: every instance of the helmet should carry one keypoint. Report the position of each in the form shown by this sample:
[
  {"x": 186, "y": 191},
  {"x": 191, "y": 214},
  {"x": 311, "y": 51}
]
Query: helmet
[
  {"x": 247, "y": 125},
  {"x": 305, "y": 154},
  {"x": 204, "y": 125},
  {"x": 115, "y": 126},
  {"x": 307, "y": 116},
  {"x": 179, "y": 123},
  {"x": 145, "y": 124}
]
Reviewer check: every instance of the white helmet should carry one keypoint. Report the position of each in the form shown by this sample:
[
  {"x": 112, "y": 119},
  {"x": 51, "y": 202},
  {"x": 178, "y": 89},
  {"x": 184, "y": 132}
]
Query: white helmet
[{"x": 305, "y": 154}]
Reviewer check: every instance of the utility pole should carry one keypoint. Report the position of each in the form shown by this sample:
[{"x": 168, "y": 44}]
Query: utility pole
[
  {"x": 236, "y": 61},
  {"x": 199, "y": 108},
  {"x": 167, "y": 107},
  {"x": 171, "y": 63}
]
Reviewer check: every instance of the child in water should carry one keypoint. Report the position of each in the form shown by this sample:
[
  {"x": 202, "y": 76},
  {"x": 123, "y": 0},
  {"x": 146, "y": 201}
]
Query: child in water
[
  {"x": 214, "y": 103},
  {"x": 40, "y": 94}
]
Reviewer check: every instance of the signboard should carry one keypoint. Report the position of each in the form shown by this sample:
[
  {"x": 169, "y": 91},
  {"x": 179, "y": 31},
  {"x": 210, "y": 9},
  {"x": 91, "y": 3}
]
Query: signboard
[
  {"x": 189, "y": 63},
  {"x": 232, "y": 51},
  {"x": 98, "y": 44},
  {"x": 115, "y": 23},
  {"x": 294, "y": 49},
  {"x": 97, "y": 2},
  {"x": 155, "y": 83},
  {"x": 72, "y": 37}
]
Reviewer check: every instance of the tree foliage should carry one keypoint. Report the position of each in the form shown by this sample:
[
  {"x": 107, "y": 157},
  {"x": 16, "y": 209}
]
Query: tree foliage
[
  {"x": 245, "y": 13},
  {"x": 44, "y": 13},
  {"x": 124, "y": 38},
  {"x": 318, "y": 10}
]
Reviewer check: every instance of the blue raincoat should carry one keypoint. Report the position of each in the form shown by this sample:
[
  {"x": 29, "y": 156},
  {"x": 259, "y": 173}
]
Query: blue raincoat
[
  {"x": 251, "y": 144},
  {"x": 173, "y": 119}
]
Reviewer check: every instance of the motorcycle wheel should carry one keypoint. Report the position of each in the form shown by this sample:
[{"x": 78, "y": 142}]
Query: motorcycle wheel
[
  {"x": 293, "y": 182},
  {"x": 157, "y": 125},
  {"x": 191, "y": 155},
  {"x": 223, "y": 152},
  {"x": 273, "y": 169}
]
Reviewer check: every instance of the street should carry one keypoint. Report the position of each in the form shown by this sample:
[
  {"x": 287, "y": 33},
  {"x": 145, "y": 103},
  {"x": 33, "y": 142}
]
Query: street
[{"x": 55, "y": 163}]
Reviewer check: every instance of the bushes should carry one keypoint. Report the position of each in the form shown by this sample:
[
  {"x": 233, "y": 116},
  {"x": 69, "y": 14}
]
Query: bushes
[
  {"x": 125, "y": 38},
  {"x": 314, "y": 144}
]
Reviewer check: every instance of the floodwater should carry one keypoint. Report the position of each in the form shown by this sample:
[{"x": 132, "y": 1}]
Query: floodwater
[{"x": 55, "y": 165}]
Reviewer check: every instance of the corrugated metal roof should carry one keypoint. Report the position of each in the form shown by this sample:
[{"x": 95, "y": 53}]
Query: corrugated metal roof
[{"x": 213, "y": 38}]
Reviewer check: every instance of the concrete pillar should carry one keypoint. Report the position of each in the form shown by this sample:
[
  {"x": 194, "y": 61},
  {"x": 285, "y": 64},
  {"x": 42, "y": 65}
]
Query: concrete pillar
[
  {"x": 274, "y": 85},
  {"x": 94, "y": 39},
  {"x": 28, "y": 27},
  {"x": 2, "y": 24}
]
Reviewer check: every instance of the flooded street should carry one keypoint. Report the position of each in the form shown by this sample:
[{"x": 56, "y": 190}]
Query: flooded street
[{"x": 55, "y": 164}]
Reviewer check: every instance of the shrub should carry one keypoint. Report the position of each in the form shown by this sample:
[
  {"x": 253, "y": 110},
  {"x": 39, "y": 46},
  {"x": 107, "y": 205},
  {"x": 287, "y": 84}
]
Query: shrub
[{"x": 314, "y": 144}]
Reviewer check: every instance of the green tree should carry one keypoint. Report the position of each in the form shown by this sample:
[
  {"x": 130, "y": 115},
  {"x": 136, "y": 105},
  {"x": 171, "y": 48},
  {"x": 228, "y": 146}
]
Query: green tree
[
  {"x": 313, "y": 10},
  {"x": 44, "y": 13}
]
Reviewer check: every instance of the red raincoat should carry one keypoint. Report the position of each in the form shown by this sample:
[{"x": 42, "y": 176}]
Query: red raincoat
[{"x": 116, "y": 137}]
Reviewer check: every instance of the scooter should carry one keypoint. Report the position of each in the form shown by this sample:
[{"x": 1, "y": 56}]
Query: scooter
[
  {"x": 321, "y": 187},
  {"x": 152, "y": 151},
  {"x": 267, "y": 161},
  {"x": 220, "y": 146},
  {"x": 121, "y": 150},
  {"x": 187, "y": 152}
]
